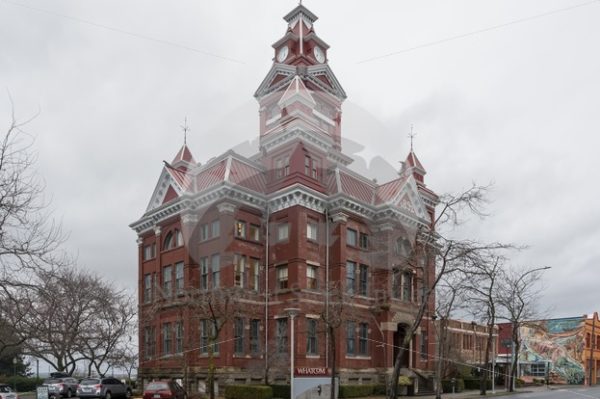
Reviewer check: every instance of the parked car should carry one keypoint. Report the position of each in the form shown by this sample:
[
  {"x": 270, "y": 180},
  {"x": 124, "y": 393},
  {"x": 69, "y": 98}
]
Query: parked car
[
  {"x": 164, "y": 390},
  {"x": 61, "y": 387},
  {"x": 6, "y": 392},
  {"x": 105, "y": 388}
]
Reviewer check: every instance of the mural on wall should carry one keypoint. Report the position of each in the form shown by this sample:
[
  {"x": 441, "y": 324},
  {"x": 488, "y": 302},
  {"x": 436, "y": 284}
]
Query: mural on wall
[{"x": 558, "y": 343}]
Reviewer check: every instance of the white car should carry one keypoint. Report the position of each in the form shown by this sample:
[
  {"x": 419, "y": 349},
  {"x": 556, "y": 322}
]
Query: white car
[{"x": 6, "y": 392}]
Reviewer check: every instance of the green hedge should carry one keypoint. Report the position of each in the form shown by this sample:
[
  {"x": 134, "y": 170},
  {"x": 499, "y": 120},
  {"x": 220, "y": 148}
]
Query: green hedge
[
  {"x": 357, "y": 391},
  {"x": 459, "y": 385},
  {"x": 23, "y": 384},
  {"x": 379, "y": 389},
  {"x": 281, "y": 391},
  {"x": 475, "y": 383},
  {"x": 248, "y": 392}
]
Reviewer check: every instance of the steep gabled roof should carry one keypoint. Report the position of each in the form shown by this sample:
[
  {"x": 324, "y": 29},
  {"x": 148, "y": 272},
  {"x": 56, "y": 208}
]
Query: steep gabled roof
[
  {"x": 184, "y": 154},
  {"x": 413, "y": 162}
]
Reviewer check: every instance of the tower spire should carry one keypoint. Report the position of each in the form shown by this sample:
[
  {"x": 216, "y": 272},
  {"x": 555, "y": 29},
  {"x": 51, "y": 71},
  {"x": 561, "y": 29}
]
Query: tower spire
[
  {"x": 185, "y": 129},
  {"x": 412, "y": 135}
]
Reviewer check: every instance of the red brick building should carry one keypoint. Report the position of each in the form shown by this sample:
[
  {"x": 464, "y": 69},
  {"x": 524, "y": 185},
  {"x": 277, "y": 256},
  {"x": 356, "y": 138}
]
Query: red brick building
[{"x": 290, "y": 227}]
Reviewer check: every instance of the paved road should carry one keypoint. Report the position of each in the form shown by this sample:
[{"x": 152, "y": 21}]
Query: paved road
[{"x": 563, "y": 393}]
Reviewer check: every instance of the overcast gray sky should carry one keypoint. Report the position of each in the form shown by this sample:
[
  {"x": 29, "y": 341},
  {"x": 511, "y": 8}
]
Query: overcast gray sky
[{"x": 517, "y": 104}]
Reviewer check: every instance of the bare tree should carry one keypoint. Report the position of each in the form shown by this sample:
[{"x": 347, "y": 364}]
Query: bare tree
[
  {"x": 126, "y": 357},
  {"x": 519, "y": 292},
  {"x": 449, "y": 290},
  {"x": 30, "y": 239},
  {"x": 482, "y": 296},
  {"x": 216, "y": 308},
  {"x": 448, "y": 255},
  {"x": 111, "y": 324},
  {"x": 340, "y": 310},
  {"x": 69, "y": 315}
]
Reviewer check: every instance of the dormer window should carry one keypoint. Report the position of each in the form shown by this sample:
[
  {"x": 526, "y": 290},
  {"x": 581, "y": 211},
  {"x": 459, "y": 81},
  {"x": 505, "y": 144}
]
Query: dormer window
[
  {"x": 282, "y": 167},
  {"x": 311, "y": 167}
]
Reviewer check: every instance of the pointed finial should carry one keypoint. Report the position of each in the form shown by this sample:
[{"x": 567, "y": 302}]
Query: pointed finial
[
  {"x": 300, "y": 2},
  {"x": 412, "y": 135},
  {"x": 185, "y": 129}
]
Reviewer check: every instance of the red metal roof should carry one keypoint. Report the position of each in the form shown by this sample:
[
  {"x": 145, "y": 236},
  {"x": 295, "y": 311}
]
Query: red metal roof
[
  {"x": 211, "y": 176},
  {"x": 185, "y": 155}
]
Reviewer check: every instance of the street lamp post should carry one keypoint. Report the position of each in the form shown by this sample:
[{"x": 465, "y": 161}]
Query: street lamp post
[
  {"x": 292, "y": 312},
  {"x": 15, "y": 372}
]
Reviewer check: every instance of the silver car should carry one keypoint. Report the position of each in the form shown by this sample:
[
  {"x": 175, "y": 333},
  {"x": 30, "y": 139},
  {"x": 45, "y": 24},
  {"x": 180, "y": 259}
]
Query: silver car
[
  {"x": 105, "y": 388},
  {"x": 6, "y": 392},
  {"x": 61, "y": 387}
]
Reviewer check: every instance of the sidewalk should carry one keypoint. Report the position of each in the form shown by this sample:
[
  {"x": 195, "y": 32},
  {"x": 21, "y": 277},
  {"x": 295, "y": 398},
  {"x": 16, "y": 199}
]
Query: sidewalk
[{"x": 475, "y": 393}]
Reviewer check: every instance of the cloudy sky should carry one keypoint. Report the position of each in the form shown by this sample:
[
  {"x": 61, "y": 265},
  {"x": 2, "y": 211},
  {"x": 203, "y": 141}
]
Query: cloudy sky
[{"x": 503, "y": 91}]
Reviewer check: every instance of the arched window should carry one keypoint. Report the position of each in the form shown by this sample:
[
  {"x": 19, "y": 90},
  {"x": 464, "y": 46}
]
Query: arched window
[
  {"x": 168, "y": 243},
  {"x": 178, "y": 238}
]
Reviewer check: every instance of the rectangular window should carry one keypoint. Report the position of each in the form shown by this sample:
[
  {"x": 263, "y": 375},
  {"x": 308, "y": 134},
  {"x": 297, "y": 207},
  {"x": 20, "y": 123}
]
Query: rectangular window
[
  {"x": 350, "y": 277},
  {"x": 149, "y": 251},
  {"x": 407, "y": 286},
  {"x": 149, "y": 342},
  {"x": 238, "y": 334},
  {"x": 363, "y": 339},
  {"x": 282, "y": 277},
  {"x": 179, "y": 337},
  {"x": 307, "y": 165},
  {"x": 208, "y": 335},
  {"x": 311, "y": 278},
  {"x": 204, "y": 273},
  {"x": 281, "y": 335},
  {"x": 167, "y": 281},
  {"x": 311, "y": 337},
  {"x": 254, "y": 336},
  {"x": 396, "y": 283},
  {"x": 363, "y": 241},
  {"x": 239, "y": 264},
  {"x": 215, "y": 264},
  {"x": 147, "y": 288},
  {"x": 351, "y": 237},
  {"x": 240, "y": 229},
  {"x": 363, "y": 280},
  {"x": 283, "y": 232},
  {"x": 179, "y": 279},
  {"x": 166, "y": 333},
  {"x": 312, "y": 231},
  {"x": 204, "y": 235},
  {"x": 254, "y": 232},
  {"x": 424, "y": 345},
  {"x": 255, "y": 274},
  {"x": 350, "y": 338},
  {"x": 315, "y": 169},
  {"x": 215, "y": 228}
]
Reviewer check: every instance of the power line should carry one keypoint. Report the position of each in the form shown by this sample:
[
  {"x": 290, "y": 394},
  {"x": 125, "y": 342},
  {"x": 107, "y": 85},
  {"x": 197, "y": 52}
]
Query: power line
[
  {"x": 124, "y": 32},
  {"x": 494, "y": 27}
]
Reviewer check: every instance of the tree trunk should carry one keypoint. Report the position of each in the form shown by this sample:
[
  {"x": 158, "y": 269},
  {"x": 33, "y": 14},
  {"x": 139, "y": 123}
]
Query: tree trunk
[
  {"x": 211, "y": 370},
  {"x": 486, "y": 360},
  {"x": 396, "y": 373}
]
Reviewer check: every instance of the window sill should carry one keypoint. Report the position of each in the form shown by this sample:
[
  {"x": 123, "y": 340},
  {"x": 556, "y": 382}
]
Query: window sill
[
  {"x": 358, "y": 357},
  {"x": 313, "y": 356}
]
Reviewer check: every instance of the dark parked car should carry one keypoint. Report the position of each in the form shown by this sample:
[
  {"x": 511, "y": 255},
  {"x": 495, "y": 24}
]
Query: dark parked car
[
  {"x": 164, "y": 390},
  {"x": 61, "y": 387},
  {"x": 105, "y": 388}
]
